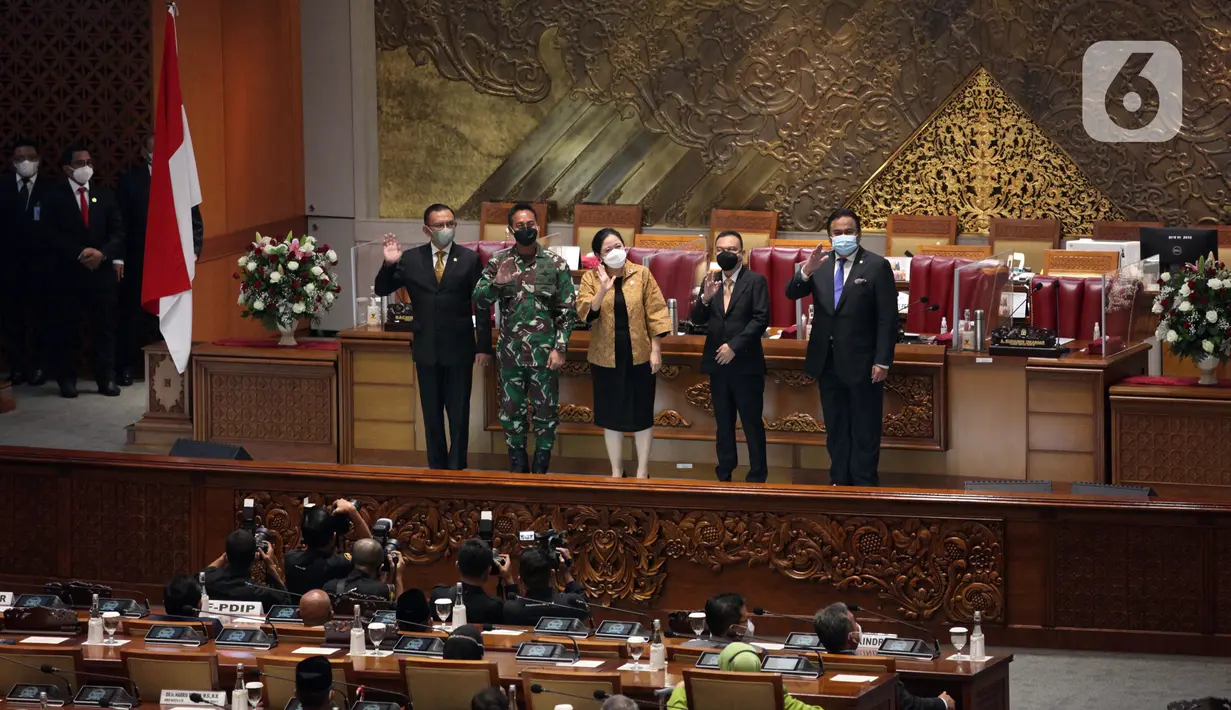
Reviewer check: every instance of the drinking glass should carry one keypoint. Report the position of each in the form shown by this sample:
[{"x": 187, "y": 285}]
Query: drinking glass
[
  {"x": 443, "y": 608},
  {"x": 697, "y": 620},
  {"x": 111, "y": 623},
  {"x": 636, "y": 646},
  {"x": 376, "y": 632},
  {"x": 254, "y": 689},
  {"x": 958, "y": 636}
]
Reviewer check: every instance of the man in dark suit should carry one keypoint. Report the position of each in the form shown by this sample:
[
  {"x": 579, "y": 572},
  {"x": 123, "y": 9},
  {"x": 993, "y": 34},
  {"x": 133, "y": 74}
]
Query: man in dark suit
[
  {"x": 736, "y": 307},
  {"x": 854, "y": 330},
  {"x": 26, "y": 273},
  {"x": 132, "y": 321},
  {"x": 84, "y": 219},
  {"x": 449, "y": 334}
]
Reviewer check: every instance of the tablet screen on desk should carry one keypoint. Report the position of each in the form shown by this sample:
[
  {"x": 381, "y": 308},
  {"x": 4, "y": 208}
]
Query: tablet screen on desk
[
  {"x": 898, "y": 645},
  {"x": 780, "y": 664}
]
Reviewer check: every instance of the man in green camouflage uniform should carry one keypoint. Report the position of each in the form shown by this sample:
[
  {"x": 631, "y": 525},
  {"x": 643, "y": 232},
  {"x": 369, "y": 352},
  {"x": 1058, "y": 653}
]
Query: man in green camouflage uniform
[{"x": 537, "y": 310}]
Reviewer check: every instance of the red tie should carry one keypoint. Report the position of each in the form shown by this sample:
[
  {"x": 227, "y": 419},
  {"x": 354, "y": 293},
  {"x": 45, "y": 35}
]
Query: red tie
[{"x": 85, "y": 206}]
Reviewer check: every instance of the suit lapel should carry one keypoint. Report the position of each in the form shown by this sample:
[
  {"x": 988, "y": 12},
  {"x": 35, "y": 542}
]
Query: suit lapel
[
  {"x": 825, "y": 274},
  {"x": 428, "y": 258},
  {"x": 741, "y": 285}
]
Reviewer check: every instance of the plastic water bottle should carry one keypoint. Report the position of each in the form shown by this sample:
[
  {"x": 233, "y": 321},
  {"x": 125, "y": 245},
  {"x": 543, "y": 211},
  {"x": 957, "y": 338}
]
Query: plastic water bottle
[
  {"x": 978, "y": 646},
  {"x": 658, "y": 651},
  {"x": 239, "y": 696},
  {"x": 459, "y": 609},
  {"x": 94, "y": 632},
  {"x": 357, "y": 645}
]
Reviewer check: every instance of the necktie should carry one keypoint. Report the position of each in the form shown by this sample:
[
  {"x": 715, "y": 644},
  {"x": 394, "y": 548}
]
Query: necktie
[
  {"x": 24, "y": 193},
  {"x": 727, "y": 287},
  {"x": 85, "y": 206},
  {"x": 839, "y": 281},
  {"x": 440, "y": 265}
]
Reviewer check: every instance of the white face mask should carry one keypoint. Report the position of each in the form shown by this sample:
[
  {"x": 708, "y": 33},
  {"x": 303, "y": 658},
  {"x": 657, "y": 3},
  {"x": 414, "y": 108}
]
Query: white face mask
[
  {"x": 752, "y": 629},
  {"x": 616, "y": 258},
  {"x": 26, "y": 168},
  {"x": 82, "y": 175}
]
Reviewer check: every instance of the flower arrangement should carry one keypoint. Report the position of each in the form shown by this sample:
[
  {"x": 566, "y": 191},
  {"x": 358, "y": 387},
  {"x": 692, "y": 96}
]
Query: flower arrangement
[
  {"x": 284, "y": 280},
  {"x": 1194, "y": 303}
]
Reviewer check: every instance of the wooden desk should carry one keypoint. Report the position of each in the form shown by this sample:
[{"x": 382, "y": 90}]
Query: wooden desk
[
  {"x": 278, "y": 403},
  {"x": 1175, "y": 438}
]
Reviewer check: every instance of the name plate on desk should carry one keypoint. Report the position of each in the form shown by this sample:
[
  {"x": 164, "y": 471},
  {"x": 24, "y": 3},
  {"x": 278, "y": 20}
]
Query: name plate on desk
[
  {"x": 400, "y": 317},
  {"x": 1025, "y": 341},
  {"x": 180, "y": 697},
  {"x": 6, "y": 600},
  {"x": 235, "y": 608}
]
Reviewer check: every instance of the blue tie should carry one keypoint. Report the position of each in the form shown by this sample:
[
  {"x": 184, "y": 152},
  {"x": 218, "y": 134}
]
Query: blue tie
[{"x": 839, "y": 281}]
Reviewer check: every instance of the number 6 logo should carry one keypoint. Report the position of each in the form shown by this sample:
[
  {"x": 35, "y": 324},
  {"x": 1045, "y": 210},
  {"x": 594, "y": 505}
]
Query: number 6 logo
[{"x": 1132, "y": 92}]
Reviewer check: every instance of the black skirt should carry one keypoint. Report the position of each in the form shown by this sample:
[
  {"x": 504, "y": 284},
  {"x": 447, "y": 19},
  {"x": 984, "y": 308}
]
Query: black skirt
[{"x": 624, "y": 394}]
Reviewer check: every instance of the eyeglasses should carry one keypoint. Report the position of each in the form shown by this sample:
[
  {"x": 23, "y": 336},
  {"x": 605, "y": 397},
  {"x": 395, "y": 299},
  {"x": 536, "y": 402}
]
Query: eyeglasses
[{"x": 727, "y": 250}]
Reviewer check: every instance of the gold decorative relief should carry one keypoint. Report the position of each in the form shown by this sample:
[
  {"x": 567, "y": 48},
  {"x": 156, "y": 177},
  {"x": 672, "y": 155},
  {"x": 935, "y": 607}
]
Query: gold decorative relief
[
  {"x": 575, "y": 414},
  {"x": 912, "y": 418},
  {"x": 671, "y": 418},
  {"x": 792, "y": 378},
  {"x": 575, "y": 368},
  {"x": 670, "y": 372},
  {"x": 796, "y": 422},
  {"x": 698, "y": 396}
]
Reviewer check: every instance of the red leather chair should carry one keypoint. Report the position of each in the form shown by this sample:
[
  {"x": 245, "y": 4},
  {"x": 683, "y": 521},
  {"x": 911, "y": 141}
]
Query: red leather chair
[
  {"x": 1068, "y": 305},
  {"x": 777, "y": 265},
  {"x": 677, "y": 272},
  {"x": 932, "y": 276},
  {"x": 638, "y": 255}
]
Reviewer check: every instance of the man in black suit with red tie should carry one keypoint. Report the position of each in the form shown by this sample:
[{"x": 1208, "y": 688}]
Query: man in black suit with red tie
[
  {"x": 854, "y": 330},
  {"x": 736, "y": 308},
  {"x": 26, "y": 274},
  {"x": 450, "y": 336},
  {"x": 84, "y": 219}
]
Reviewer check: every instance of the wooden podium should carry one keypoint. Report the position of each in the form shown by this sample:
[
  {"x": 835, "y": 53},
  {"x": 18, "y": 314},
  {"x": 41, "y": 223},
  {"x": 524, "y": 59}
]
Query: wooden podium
[{"x": 168, "y": 408}]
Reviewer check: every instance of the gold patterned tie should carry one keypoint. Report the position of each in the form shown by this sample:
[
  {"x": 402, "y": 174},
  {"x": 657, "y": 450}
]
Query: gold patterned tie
[
  {"x": 727, "y": 288},
  {"x": 440, "y": 265}
]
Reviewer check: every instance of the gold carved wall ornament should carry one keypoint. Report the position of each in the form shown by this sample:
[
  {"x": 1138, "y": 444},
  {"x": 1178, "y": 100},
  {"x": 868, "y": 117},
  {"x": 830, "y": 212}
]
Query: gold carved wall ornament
[
  {"x": 575, "y": 414},
  {"x": 698, "y": 395},
  {"x": 796, "y": 422},
  {"x": 671, "y": 418}
]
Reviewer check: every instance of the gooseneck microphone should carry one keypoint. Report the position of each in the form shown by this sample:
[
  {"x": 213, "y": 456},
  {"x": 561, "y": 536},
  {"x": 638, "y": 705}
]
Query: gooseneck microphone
[
  {"x": 52, "y": 670},
  {"x": 759, "y": 611},
  {"x": 1033, "y": 290},
  {"x": 200, "y": 700},
  {"x": 935, "y": 641},
  {"x": 275, "y": 590},
  {"x": 618, "y": 610},
  {"x": 205, "y": 625},
  {"x": 599, "y": 694},
  {"x": 542, "y": 602}
]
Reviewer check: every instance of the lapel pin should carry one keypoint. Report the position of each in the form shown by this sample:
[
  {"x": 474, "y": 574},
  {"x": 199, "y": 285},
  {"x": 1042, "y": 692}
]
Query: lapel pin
[{"x": 93, "y": 199}]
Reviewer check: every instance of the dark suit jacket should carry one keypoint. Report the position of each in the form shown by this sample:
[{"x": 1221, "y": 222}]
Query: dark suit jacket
[
  {"x": 20, "y": 234},
  {"x": 71, "y": 236},
  {"x": 443, "y": 331},
  {"x": 863, "y": 326},
  {"x": 741, "y": 327},
  {"x": 134, "y": 196},
  {"x": 907, "y": 701}
]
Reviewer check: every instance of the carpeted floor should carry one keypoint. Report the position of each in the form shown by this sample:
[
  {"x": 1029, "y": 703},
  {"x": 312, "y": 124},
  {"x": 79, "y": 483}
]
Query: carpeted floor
[{"x": 91, "y": 422}]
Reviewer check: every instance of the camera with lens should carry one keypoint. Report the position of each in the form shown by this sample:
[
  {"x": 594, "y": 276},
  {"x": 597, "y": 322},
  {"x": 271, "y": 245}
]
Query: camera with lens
[
  {"x": 550, "y": 542},
  {"x": 259, "y": 532},
  {"x": 382, "y": 532},
  {"x": 339, "y": 522},
  {"x": 487, "y": 533}
]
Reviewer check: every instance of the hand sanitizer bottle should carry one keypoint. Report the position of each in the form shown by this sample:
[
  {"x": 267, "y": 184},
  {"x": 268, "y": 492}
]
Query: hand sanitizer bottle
[
  {"x": 373, "y": 308},
  {"x": 944, "y": 325},
  {"x": 658, "y": 651},
  {"x": 94, "y": 633}
]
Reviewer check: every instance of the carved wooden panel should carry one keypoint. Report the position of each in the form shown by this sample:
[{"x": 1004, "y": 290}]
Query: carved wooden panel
[
  {"x": 1128, "y": 577},
  {"x": 669, "y": 241},
  {"x": 930, "y": 568},
  {"x": 27, "y": 519},
  {"x": 973, "y": 252},
  {"x": 167, "y": 388},
  {"x": 1064, "y": 262},
  {"x": 921, "y": 225},
  {"x": 270, "y": 407},
  {"x": 1181, "y": 444},
  {"x": 129, "y": 531}
]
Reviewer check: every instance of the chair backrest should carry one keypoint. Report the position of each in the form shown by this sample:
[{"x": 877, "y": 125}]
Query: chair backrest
[
  {"x": 777, "y": 265},
  {"x": 435, "y": 684},
  {"x": 973, "y": 252},
  {"x": 1121, "y": 231},
  {"x": 725, "y": 690},
  {"x": 677, "y": 273},
  {"x": 671, "y": 241},
  {"x": 1070, "y": 306},
  {"x": 808, "y": 244},
  {"x": 755, "y": 227},
  {"x": 685, "y": 654},
  {"x": 589, "y": 219},
  {"x": 70, "y": 660},
  {"x": 494, "y": 220},
  {"x": 280, "y": 684},
  {"x": 486, "y": 250},
  {"x": 640, "y": 255},
  {"x": 1066, "y": 262},
  {"x": 556, "y": 684},
  {"x": 872, "y": 664},
  {"x": 931, "y": 276},
  {"x": 598, "y": 648},
  {"x": 1031, "y": 237},
  {"x": 307, "y": 635},
  {"x": 912, "y": 232},
  {"x": 155, "y": 671}
]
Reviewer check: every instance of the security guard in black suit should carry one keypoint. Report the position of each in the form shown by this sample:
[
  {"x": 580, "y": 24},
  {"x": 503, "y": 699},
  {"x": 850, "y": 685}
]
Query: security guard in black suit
[{"x": 27, "y": 270}]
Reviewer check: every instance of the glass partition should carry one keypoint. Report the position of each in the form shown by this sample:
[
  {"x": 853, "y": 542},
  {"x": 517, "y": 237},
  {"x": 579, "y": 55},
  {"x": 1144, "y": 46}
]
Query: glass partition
[
  {"x": 982, "y": 286},
  {"x": 365, "y": 261},
  {"x": 1127, "y": 296}
]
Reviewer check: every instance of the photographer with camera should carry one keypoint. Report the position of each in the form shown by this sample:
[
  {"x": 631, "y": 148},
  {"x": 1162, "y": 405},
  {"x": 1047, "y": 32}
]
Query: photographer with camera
[
  {"x": 228, "y": 576},
  {"x": 323, "y": 533},
  {"x": 538, "y": 566},
  {"x": 476, "y": 563},
  {"x": 375, "y": 572}
]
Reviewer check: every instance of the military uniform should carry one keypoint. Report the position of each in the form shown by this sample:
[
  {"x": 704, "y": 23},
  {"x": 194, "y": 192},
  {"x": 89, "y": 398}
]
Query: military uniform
[{"x": 537, "y": 312}]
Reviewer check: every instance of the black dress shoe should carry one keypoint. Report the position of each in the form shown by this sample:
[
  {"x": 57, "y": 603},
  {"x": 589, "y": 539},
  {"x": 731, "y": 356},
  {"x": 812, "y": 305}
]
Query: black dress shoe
[
  {"x": 38, "y": 378},
  {"x": 124, "y": 377},
  {"x": 16, "y": 378},
  {"x": 541, "y": 461},
  {"x": 68, "y": 389},
  {"x": 108, "y": 389},
  {"x": 518, "y": 463}
]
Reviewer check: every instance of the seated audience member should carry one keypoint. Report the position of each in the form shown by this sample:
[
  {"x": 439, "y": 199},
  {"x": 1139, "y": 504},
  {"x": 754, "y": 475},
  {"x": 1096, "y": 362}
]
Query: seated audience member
[
  {"x": 371, "y": 574},
  {"x": 619, "y": 702},
  {"x": 490, "y": 699},
  {"x": 737, "y": 657},
  {"x": 181, "y": 598},
  {"x": 726, "y": 619},
  {"x": 840, "y": 633},
  {"x": 320, "y": 562},
  {"x": 315, "y": 608},
  {"x": 474, "y": 565},
  {"x": 228, "y": 576},
  {"x": 537, "y": 567},
  {"x": 464, "y": 644},
  {"x": 314, "y": 683},
  {"x": 413, "y": 612}
]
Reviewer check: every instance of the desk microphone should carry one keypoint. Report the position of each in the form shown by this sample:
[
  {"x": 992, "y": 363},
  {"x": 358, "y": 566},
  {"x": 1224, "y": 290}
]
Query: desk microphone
[
  {"x": 254, "y": 585},
  {"x": 45, "y": 668},
  {"x": 585, "y": 608},
  {"x": 1033, "y": 290},
  {"x": 935, "y": 641},
  {"x": 136, "y": 691},
  {"x": 630, "y": 612},
  {"x": 663, "y": 693},
  {"x": 205, "y": 626},
  {"x": 359, "y": 689},
  {"x": 598, "y": 694},
  {"x": 200, "y": 700},
  {"x": 793, "y": 617}
]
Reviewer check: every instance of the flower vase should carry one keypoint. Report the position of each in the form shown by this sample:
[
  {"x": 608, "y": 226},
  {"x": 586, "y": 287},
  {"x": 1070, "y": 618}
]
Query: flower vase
[
  {"x": 1208, "y": 366},
  {"x": 288, "y": 336}
]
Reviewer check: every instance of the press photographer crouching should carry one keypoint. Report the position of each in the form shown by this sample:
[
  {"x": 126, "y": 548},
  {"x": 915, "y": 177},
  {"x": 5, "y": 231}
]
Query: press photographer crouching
[
  {"x": 324, "y": 533},
  {"x": 229, "y": 576},
  {"x": 537, "y": 567},
  {"x": 181, "y": 597},
  {"x": 476, "y": 563},
  {"x": 377, "y": 572}
]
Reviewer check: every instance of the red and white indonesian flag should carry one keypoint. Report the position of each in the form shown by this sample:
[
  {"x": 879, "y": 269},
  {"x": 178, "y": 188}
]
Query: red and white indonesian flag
[{"x": 166, "y": 284}]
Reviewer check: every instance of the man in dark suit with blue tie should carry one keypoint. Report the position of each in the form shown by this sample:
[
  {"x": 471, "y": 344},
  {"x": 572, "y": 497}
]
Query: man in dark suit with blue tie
[
  {"x": 27, "y": 270},
  {"x": 735, "y": 307},
  {"x": 440, "y": 277},
  {"x": 854, "y": 330}
]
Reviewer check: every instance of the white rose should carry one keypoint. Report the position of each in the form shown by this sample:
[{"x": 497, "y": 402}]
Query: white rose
[
  {"x": 1215, "y": 284},
  {"x": 1172, "y": 336},
  {"x": 328, "y": 297},
  {"x": 252, "y": 266},
  {"x": 243, "y": 260},
  {"x": 1158, "y": 308},
  {"x": 311, "y": 288},
  {"x": 1165, "y": 277},
  {"x": 332, "y": 256},
  {"x": 258, "y": 305},
  {"x": 1207, "y": 346},
  {"x": 1211, "y": 316},
  {"x": 297, "y": 308},
  {"x": 292, "y": 265},
  {"x": 324, "y": 278},
  {"x": 307, "y": 248},
  {"x": 1185, "y": 306},
  {"x": 241, "y": 299},
  {"x": 275, "y": 277},
  {"x": 1185, "y": 290},
  {"x": 317, "y": 271}
]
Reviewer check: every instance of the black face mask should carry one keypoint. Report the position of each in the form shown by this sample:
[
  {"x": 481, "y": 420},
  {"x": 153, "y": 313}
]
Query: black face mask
[
  {"x": 526, "y": 236},
  {"x": 727, "y": 260}
]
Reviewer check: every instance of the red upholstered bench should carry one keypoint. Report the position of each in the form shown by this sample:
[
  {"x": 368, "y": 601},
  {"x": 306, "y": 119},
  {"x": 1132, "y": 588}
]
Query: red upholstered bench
[
  {"x": 777, "y": 265},
  {"x": 486, "y": 249},
  {"x": 932, "y": 276},
  {"x": 1068, "y": 305}
]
